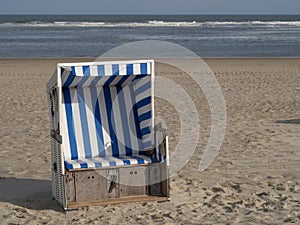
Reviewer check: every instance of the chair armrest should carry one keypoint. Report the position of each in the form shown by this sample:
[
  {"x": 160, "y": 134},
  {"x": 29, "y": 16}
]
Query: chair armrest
[{"x": 56, "y": 135}]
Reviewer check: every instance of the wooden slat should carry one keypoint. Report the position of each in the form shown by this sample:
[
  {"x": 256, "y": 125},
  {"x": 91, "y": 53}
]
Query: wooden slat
[
  {"x": 90, "y": 186},
  {"x": 70, "y": 187},
  {"x": 133, "y": 181}
]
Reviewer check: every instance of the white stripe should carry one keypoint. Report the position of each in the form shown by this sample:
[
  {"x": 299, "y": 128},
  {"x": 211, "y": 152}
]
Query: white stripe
[
  {"x": 146, "y": 159},
  {"x": 119, "y": 162},
  {"x": 116, "y": 80},
  {"x": 132, "y": 160},
  {"x": 128, "y": 81},
  {"x": 147, "y": 138},
  {"x": 118, "y": 121},
  {"x": 65, "y": 135},
  {"x": 144, "y": 109},
  {"x": 90, "y": 162},
  {"x": 122, "y": 69},
  {"x": 136, "y": 69},
  {"x": 91, "y": 121},
  {"x": 77, "y": 123},
  {"x": 78, "y": 70},
  {"x": 108, "y": 70},
  {"x": 74, "y": 163},
  {"x": 147, "y": 133},
  {"x": 146, "y": 123},
  {"x": 75, "y": 81},
  {"x": 143, "y": 95},
  {"x": 94, "y": 70},
  {"x": 102, "y": 81},
  {"x": 104, "y": 120},
  {"x": 148, "y": 68},
  {"x": 104, "y": 162},
  {"x": 141, "y": 82},
  {"x": 88, "y": 82},
  {"x": 147, "y": 142}
]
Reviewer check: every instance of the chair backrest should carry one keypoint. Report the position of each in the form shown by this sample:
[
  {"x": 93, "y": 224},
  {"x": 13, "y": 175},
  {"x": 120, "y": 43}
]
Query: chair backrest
[{"x": 107, "y": 109}]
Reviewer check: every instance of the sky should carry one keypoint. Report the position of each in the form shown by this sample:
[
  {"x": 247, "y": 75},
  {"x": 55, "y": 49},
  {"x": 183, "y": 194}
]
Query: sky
[{"x": 150, "y": 7}]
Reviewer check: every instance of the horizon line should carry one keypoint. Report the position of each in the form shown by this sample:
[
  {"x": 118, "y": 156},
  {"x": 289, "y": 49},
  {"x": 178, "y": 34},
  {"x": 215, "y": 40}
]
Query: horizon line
[{"x": 148, "y": 14}]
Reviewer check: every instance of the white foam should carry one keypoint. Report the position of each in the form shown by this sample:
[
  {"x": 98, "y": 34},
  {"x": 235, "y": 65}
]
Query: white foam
[{"x": 151, "y": 23}]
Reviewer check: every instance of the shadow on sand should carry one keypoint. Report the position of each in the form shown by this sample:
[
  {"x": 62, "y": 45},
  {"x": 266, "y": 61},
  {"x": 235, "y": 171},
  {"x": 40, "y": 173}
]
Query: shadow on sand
[
  {"x": 28, "y": 193},
  {"x": 293, "y": 121}
]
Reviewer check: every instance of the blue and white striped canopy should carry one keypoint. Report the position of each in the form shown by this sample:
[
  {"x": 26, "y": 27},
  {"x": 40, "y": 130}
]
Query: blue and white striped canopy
[
  {"x": 103, "y": 75},
  {"x": 107, "y": 113}
]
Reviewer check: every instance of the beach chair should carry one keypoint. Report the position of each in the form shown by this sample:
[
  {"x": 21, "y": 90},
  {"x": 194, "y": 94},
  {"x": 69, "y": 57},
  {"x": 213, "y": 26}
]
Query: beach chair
[{"x": 105, "y": 145}]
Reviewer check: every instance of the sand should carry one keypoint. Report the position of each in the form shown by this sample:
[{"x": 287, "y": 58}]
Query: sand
[{"x": 253, "y": 180}]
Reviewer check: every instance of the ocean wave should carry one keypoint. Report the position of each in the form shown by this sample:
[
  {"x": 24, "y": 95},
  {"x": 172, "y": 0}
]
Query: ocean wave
[{"x": 151, "y": 23}]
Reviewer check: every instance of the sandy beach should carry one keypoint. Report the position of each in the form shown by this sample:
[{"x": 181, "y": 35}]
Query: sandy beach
[{"x": 255, "y": 178}]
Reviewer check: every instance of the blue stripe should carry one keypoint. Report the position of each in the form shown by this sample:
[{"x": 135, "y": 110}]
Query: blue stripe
[
  {"x": 123, "y": 79},
  {"x": 111, "y": 121},
  {"x": 126, "y": 161},
  {"x": 84, "y": 124},
  {"x": 145, "y": 116},
  {"x": 144, "y": 68},
  {"x": 139, "y": 160},
  {"x": 95, "y": 81},
  {"x": 101, "y": 71},
  {"x": 125, "y": 122},
  {"x": 73, "y": 70},
  {"x": 69, "y": 80},
  {"x": 110, "y": 80},
  {"x": 112, "y": 163},
  {"x": 70, "y": 123},
  {"x": 129, "y": 69},
  {"x": 86, "y": 71},
  {"x": 143, "y": 88},
  {"x": 140, "y": 77},
  {"x": 145, "y": 131},
  {"x": 115, "y": 69},
  {"x": 143, "y": 102},
  {"x": 82, "y": 81},
  {"x": 116, "y": 80},
  {"x": 98, "y": 164},
  {"x": 98, "y": 123},
  {"x": 147, "y": 144},
  {"x": 82, "y": 164},
  {"x": 153, "y": 160},
  {"x": 68, "y": 165}
]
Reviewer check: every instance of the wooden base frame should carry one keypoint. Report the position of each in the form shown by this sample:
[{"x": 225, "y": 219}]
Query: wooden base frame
[{"x": 114, "y": 185}]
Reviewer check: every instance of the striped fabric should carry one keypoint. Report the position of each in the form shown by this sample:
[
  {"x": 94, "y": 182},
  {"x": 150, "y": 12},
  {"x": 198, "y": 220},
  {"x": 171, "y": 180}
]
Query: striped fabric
[
  {"x": 100, "y": 162},
  {"x": 107, "y": 114}
]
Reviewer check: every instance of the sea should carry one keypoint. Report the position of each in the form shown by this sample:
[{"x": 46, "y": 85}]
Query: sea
[{"x": 205, "y": 35}]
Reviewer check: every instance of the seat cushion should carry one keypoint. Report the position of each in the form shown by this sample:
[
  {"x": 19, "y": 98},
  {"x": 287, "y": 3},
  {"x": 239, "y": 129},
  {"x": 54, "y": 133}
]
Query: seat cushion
[{"x": 100, "y": 162}]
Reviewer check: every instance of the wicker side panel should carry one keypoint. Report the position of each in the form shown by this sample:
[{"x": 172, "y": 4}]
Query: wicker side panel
[
  {"x": 154, "y": 180},
  {"x": 57, "y": 178}
]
